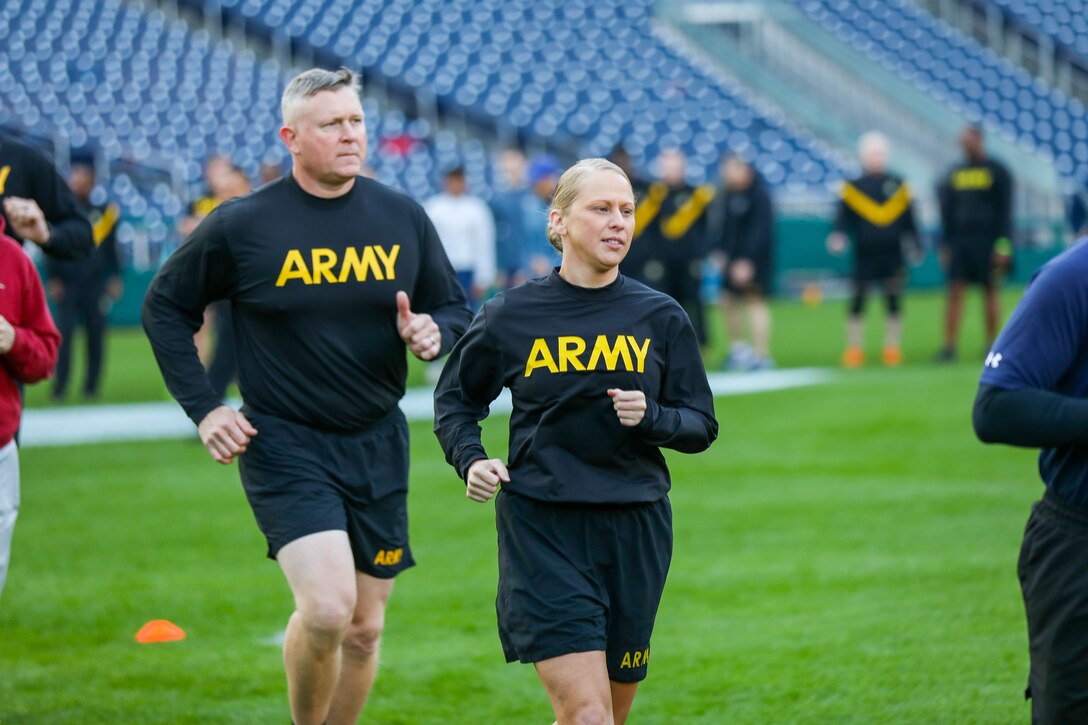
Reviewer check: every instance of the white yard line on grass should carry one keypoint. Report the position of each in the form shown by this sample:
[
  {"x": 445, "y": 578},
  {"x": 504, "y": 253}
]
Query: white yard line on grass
[{"x": 159, "y": 421}]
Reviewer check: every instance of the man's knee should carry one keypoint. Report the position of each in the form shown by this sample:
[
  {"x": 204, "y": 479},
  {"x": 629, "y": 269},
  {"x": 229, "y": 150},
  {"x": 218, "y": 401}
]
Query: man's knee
[
  {"x": 363, "y": 637},
  {"x": 591, "y": 713},
  {"x": 327, "y": 615}
]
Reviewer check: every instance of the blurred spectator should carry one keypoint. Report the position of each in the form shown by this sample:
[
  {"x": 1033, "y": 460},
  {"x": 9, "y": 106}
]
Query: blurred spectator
[
  {"x": 512, "y": 206},
  {"x": 82, "y": 291},
  {"x": 38, "y": 206},
  {"x": 270, "y": 171},
  {"x": 1078, "y": 210},
  {"x": 216, "y": 171},
  {"x": 622, "y": 159},
  {"x": 671, "y": 237},
  {"x": 876, "y": 215},
  {"x": 467, "y": 230},
  {"x": 223, "y": 366},
  {"x": 520, "y": 210},
  {"x": 976, "y": 246},
  {"x": 745, "y": 254},
  {"x": 544, "y": 172}
]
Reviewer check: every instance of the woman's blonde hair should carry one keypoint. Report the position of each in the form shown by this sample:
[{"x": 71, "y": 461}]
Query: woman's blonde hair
[{"x": 570, "y": 186}]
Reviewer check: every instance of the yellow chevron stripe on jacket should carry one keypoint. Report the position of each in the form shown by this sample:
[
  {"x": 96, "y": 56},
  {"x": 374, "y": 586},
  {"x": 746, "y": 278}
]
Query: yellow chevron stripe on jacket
[
  {"x": 877, "y": 214},
  {"x": 105, "y": 224},
  {"x": 679, "y": 223},
  {"x": 648, "y": 208}
]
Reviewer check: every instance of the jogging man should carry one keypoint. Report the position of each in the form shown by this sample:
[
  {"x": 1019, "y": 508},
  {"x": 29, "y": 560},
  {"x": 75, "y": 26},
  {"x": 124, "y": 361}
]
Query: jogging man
[
  {"x": 329, "y": 277},
  {"x": 38, "y": 206},
  {"x": 1034, "y": 393}
]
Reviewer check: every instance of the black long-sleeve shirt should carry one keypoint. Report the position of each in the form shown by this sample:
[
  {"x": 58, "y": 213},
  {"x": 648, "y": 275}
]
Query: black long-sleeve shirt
[
  {"x": 976, "y": 202},
  {"x": 877, "y": 212},
  {"x": 559, "y": 348},
  {"x": 747, "y": 224},
  {"x": 26, "y": 172},
  {"x": 312, "y": 284}
]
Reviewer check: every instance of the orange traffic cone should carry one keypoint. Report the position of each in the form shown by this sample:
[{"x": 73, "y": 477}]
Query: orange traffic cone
[{"x": 159, "y": 630}]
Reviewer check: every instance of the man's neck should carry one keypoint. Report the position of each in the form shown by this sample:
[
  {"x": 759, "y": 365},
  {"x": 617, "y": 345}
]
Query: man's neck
[{"x": 313, "y": 187}]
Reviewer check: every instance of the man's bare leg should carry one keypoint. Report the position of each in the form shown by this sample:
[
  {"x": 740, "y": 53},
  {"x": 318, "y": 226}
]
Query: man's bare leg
[
  {"x": 320, "y": 570},
  {"x": 359, "y": 650},
  {"x": 578, "y": 687},
  {"x": 623, "y": 696}
]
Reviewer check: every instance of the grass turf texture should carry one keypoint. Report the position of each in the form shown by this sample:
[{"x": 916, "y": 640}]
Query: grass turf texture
[{"x": 844, "y": 553}]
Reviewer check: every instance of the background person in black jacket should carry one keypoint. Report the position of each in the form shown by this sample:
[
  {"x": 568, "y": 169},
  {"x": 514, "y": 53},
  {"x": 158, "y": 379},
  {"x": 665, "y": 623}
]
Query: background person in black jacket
[
  {"x": 83, "y": 290},
  {"x": 745, "y": 254},
  {"x": 603, "y": 372},
  {"x": 976, "y": 247},
  {"x": 38, "y": 205},
  {"x": 673, "y": 238},
  {"x": 876, "y": 213}
]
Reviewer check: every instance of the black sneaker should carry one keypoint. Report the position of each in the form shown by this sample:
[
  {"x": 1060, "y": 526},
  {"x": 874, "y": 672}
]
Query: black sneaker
[{"x": 945, "y": 355}]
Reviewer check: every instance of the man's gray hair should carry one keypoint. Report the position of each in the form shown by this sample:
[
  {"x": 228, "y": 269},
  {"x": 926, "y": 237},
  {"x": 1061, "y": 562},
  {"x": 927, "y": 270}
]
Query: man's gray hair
[{"x": 309, "y": 83}]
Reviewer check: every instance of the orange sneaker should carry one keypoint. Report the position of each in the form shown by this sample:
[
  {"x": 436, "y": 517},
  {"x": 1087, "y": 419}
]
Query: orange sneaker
[
  {"x": 853, "y": 357},
  {"x": 893, "y": 356}
]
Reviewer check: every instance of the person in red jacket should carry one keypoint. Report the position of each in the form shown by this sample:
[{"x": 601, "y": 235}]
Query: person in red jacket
[{"x": 28, "y": 351}]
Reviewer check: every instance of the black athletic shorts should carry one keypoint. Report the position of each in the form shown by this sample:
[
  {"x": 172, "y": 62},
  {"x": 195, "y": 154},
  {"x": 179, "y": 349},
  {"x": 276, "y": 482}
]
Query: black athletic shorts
[
  {"x": 972, "y": 261},
  {"x": 871, "y": 267},
  {"x": 1053, "y": 571},
  {"x": 581, "y": 578},
  {"x": 300, "y": 480}
]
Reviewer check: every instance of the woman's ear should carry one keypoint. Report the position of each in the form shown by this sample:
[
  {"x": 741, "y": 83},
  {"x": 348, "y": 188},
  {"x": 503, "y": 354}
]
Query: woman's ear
[{"x": 555, "y": 221}]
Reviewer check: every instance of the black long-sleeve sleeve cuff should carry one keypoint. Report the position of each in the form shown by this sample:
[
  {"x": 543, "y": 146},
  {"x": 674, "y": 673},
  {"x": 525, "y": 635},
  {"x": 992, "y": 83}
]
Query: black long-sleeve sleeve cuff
[
  {"x": 1029, "y": 417},
  {"x": 70, "y": 239},
  {"x": 452, "y": 322},
  {"x": 466, "y": 456},
  {"x": 681, "y": 429}
]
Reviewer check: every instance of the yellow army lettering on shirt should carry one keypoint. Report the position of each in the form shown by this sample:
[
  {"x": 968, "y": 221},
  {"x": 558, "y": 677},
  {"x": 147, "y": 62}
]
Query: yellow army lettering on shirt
[
  {"x": 388, "y": 557},
  {"x": 327, "y": 267},
  {"x": 972, "y": 179},
  {"x": 638, "y": 658},
  {"x": 570, "y": 351},
  {"x": 4, "y": 177}
]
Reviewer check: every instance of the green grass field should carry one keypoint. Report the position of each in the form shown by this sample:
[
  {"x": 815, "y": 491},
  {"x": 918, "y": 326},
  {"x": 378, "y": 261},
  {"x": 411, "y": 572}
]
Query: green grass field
[{"x": 844, "y": 554}]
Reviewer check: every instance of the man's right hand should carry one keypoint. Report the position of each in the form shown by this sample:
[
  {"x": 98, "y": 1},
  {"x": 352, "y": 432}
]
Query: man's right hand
[
  {"x": 225, "y": 432},
  {"x": 484, "y": 477}
]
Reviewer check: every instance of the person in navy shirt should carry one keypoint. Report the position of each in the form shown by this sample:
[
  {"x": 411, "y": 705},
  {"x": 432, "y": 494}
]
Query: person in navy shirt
[{"x": 1034, "y": 393}]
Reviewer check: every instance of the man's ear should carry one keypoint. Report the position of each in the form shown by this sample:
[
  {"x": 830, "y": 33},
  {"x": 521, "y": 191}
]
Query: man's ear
[{"x": 287, "y": 135}]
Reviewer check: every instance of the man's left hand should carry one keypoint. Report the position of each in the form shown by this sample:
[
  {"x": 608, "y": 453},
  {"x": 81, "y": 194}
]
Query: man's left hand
[
  {"x": 420, "y": 332},
  {"x": 27, "y": 219}
]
